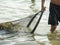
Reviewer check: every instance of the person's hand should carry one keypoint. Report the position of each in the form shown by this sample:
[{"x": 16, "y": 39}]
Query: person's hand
[{"x": 43, "y": 9}]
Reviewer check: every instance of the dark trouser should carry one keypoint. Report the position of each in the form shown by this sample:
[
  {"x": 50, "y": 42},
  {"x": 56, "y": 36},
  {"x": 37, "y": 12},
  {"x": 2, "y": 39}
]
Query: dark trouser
[{"x": 54, "y": 16}]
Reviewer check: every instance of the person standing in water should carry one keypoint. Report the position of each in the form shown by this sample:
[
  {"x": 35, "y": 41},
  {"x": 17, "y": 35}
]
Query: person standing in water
[{"x": 54, "y": 13}]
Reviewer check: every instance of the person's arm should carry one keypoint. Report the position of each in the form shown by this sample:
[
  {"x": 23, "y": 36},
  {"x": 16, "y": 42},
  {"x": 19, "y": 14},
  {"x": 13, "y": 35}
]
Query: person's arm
[
  {"x": 42, "y": 5},
  {"x": 43, "y": 1}
]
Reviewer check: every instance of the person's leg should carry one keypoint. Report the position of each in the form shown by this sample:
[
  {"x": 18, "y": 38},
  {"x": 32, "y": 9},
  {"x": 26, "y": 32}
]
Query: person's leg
[{"x": 53, "y": 28}]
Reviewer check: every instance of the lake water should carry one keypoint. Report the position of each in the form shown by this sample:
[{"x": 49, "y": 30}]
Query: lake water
[{"x": 20, "y": 10}]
